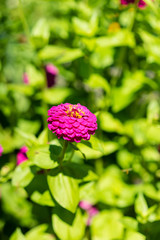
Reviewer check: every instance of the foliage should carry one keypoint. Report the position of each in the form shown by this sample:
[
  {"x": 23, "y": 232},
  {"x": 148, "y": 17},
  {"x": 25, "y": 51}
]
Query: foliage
[{"x": 108, "y": 57}]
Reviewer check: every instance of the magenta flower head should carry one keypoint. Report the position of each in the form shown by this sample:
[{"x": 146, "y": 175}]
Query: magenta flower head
[
  {"x": 51, "y": 73},
  {"x": 72, "y": 122},
  {"x": 25, "y": 78},
  {"x": 141, "y": 3},
  {"x": 1, "y": 150},
  {"x": 21, "y": 155}
]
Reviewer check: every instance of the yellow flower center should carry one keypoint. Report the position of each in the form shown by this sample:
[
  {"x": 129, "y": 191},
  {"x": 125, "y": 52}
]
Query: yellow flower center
[{"x": 74, "y": 111}]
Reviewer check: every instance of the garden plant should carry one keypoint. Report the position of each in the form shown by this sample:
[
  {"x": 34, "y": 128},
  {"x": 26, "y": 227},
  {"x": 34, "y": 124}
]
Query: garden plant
[{"x": 80, "y": 120}]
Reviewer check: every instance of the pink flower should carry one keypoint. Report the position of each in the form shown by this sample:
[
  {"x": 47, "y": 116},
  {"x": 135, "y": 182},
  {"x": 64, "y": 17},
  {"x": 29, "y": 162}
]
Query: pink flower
[
  {"x": 25, "y": 78},
  {"x": 1, "y": 150},
  {"x": 72, "y": 122},
  {"x": 51, "y": 73},
  {"x": 21, "y": 155},
  {"x": 85, "y": 205},
  {"x": 90, "y": 209},
  {"x": 141, "y": 3}
]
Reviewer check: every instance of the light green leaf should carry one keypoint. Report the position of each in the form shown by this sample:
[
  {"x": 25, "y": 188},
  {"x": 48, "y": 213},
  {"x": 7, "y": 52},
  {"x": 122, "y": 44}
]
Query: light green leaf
[
  {"x": 107, "y": 225},
  {"x": 151, "y": 46},
  {"x": 112, "y": 190},
  {"x": 17, "y": 235},
  {"x": 60, "y": 54},
  {"x": 109, "y": 123},
  {"x": 42, "y": 198},
  {"x": 40, "y": 33},
  {"x": 44, "y": 156},
  {"x": 67, "y": 226},
  {"x": 36, "y": 78},
  {"x": 102, "y": 57},
  {"x": 86, "y": 28},
  {"x": 28, "y": 126},
  {"x": 38, "y": 233},
  {"x": 23, "y": 174},
  {"x": 56, "y": 96},
  {"x": 14, "y": 204},
  {"x": 130, "y": 223},
  {"x": 131, "y": 235},
  {"x": 70, "y": 55},
  {"x": 97, "y": 81},
  {"x": 29, "y": 139},
  {"x": 120, "y": 38},
  {"x": 141, "y": 207},
  {"x": 43, "y": 137},
  {"x": 64, "y": 189},
  {"x": 153, "y": 111},
  {"x": 125, "y": 94}
]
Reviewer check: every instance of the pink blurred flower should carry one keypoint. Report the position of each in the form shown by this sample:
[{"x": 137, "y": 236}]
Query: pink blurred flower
[
  {"x": 1, "y": 150},
  {"x": 90, "y": 209},
  {"x": 72, "y": 122},
  {"x": 141, "y": 3},
  {"x": 25, "y": 78},
  {"x": 51, "y": 73},
  {"x": 85, "y": 205},
  {"x": 21, "y": 155}
]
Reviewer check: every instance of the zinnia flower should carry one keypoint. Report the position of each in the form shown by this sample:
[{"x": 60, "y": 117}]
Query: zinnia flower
[
  {"x": 25, "y": 78},
  {"x": 51, "y": 73},
  {"x": 141, "y": 3},
  {"x": 90, "y": 209},
  {"x": 1, "y": 150},
  {"x": 21, "y": 155},
  {"x": 72, "y": 122}
]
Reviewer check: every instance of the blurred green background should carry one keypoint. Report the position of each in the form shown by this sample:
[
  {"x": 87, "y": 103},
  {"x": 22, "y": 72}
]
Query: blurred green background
[{"x": 108, "y": 58}]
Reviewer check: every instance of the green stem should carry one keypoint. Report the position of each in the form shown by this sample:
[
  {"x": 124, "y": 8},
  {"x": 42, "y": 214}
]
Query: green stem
[
  {"x": 123, "y": 50},
  {"x": 24, "y": 22},
  {"x": 69, "y": 160},
  {"x": 99, "y": 166},
  {"x": 61, "y": 156}
]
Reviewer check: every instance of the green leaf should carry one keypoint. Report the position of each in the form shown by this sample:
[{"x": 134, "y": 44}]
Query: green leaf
[
  {"x": 141, "y": 207},
  {"x": 86, "y": 28},
  {"x": 97, "y": 81},
  {"x": 112, "y": 190},
  {"x": 40, "y": 33},
  {"x": 102, "y": 57},
  {"x": 109, "y": 123},
  {"x": 56, "y": 96},
  {"x": 88, "y": 192},
  {"x": 153, "y": 111},
  {"x": 29, "y": 139},
  {"x": 14, "y": 204},
  {"x": 17, "y": 235},
  {"x": 107, "y": 225},
  {"x": 38, "y": 233},
  {"x": 64, "y": 189},
  {"x": 44, "y": 156},
  {"x": 151, "y": 46},
  {"x": 36, "y": 78},
  {"x": 120, "y": 38},
  {"x": 60, "y": 54},
  {"x": 27, "y": 126},
  {"x": 43, "y": 137},
  {"x": 131, "y": 235},
  {"x": 125, "y": 94},
  {"x": 79, "y": 171},
  {"x": 67, "y": 226},
  {"x": 130, "y": 223},
  {"x": 43, "y": 199},
  {"x": 23, "y": 174}
]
